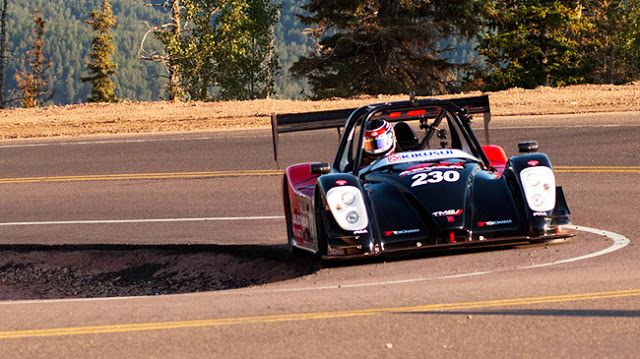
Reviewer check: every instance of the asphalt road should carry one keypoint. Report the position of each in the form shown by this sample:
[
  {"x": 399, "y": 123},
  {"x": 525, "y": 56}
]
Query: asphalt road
[{"x": 187, "y": 188}]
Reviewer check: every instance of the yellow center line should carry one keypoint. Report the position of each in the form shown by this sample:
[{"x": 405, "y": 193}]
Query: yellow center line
[
  {"x": 597, "y": 167},
  {"x": 143, "y": 176},
  {"x": 138, "y": 327},
  {"x": 595, "y": 171},
  {"x": 255, "y": 173}
]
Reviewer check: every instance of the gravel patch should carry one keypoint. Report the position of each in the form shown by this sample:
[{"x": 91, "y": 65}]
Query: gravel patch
[{"x": 106, "y": 271}]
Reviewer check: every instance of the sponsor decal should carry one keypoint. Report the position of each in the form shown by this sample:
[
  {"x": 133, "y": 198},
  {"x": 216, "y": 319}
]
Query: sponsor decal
[
  {"x": 423, "y": 156},
  {"x": 423, "y": 167},
  {"x": 300, "y": 224},
  {"x": 533, "y": 163},
  {"x": 495, "y": 223},
  {"x": 419, "y": 155},
  {"x": 361, "y": 231},
  {"x": 447, "y": 212},
  {"x": 539, "y": 214},
  {"x": 430, "y": 167},
  {"x": 341, "y": 182},
  {"x": 401, "y": 232}
]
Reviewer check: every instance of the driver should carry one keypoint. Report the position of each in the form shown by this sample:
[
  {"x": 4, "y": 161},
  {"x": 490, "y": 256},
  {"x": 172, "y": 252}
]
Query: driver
[{"x": 379, "y": 141}]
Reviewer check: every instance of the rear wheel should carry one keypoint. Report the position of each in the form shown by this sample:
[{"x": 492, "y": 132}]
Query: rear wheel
[{"x": 291, "y": 249}]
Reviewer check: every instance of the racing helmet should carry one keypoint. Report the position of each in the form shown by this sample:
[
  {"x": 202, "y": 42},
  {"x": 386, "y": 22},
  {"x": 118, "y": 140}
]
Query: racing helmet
[{"x": 379, "y": 138}]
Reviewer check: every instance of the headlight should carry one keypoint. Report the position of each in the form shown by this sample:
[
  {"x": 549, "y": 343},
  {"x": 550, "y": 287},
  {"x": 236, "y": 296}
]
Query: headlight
[
  {"x": 537, "y": 200},
  {"x": 348, "y": 209},
  {"x": 348, "y": 198},
  {"x": 352, "y": 217},
  {"x": 532, "y": 179},
  {"x": 539, "y": 185}
]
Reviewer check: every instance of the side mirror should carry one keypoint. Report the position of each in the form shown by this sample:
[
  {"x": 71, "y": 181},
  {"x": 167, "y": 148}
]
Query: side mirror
[
  {"x": 528, "y": 146},
  {"x": 320, "y": 168}
]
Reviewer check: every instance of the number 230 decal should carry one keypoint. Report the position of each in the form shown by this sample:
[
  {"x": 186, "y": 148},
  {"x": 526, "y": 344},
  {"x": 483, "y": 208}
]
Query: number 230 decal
[{"x": 434, "y": 177}]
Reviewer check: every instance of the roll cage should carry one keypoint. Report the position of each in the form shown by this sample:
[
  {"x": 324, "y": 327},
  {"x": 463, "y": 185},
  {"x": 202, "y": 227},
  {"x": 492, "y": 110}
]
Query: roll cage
[
  {"x": 349, "y": 155},
  {"x": 457, "y": 113}
]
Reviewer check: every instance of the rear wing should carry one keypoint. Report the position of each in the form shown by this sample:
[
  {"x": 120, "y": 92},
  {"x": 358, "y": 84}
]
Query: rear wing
[{"x": 307, "y": 121}]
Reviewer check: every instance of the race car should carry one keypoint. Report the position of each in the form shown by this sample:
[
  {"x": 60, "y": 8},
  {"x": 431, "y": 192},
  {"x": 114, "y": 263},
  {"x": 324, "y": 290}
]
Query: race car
[{"x": 439, "y": 187}]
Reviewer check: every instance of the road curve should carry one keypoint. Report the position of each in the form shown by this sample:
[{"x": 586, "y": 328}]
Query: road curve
[{"x": 191, "y": 189}]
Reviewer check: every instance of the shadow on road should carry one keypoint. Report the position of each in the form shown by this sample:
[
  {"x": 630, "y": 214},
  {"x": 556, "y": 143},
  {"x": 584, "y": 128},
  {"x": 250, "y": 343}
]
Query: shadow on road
[
  {"x": 443, "y": 252},
  {"x": 102, "y": 270},
  {"x": 81, "y": 271}
]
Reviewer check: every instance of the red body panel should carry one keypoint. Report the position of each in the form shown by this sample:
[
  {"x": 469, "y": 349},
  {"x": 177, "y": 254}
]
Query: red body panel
[
  {"x": 497, "y": 158},
  {"x": 299, "y": 187},
  {"x": 301, "y": 181}
]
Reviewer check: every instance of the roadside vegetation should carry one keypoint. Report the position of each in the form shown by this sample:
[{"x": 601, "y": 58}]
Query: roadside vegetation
[{"x": 213, "y": 50}]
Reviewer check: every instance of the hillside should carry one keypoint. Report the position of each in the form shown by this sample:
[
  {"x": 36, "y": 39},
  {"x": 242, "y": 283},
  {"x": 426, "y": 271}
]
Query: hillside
[{"x": 68, "y": 38}]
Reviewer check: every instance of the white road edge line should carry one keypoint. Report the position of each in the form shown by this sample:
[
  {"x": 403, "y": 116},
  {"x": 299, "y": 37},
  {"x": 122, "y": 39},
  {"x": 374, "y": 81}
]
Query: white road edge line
[
  {"x": 121, "y": 141},
  {"x": 148, "y": 220},
  {"x": 619, "y": 242}
]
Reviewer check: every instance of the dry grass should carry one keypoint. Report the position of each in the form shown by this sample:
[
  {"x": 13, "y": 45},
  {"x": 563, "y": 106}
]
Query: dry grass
[{"x": 153, "y": 117}]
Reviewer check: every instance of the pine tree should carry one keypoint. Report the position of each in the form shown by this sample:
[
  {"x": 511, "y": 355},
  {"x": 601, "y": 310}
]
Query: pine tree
[
  {"x": 535, "y": 42},
  {"x": 101, "y": 66},
  {"x": 614, "y": 54},
  {"x": 32, "y": 81},
  {"x": 633, "y": 40},
  {"x": 385, "y": 46}
]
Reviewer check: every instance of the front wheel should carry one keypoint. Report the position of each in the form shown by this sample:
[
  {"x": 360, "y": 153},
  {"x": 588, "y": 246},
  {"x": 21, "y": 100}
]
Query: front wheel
[{"x": 321, "y": 234}]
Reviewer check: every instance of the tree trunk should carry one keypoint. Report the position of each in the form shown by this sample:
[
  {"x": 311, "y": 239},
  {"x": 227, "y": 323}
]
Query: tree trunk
[
  {"x": 3, "y": 43},
  {"x": 175, "y": 86}
]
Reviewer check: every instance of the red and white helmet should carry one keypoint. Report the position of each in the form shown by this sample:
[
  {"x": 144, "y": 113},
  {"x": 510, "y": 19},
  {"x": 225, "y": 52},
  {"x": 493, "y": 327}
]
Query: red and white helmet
[{"x": 379, "y": 138}]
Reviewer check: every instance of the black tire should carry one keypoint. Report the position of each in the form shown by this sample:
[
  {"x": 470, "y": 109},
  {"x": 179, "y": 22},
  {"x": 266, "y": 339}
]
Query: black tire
[
  {"x": 291, "y": 250},
  {"x": 320, "y": 231}
]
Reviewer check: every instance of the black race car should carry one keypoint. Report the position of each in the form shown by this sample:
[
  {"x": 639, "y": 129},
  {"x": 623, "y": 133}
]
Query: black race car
[{"x": 439, "y": 188}]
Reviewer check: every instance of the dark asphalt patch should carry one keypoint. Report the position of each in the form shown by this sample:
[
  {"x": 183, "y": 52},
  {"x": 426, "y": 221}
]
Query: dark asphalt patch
[{"x": 48, "y": 272}]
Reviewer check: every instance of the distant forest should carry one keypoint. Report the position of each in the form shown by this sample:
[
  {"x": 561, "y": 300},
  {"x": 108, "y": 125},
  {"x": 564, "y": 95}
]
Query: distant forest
[{"x": 68, "y": 38}]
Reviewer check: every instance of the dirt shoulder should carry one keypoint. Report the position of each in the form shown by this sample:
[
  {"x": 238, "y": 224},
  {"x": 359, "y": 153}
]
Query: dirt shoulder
[{"x": 155, "y": 117}]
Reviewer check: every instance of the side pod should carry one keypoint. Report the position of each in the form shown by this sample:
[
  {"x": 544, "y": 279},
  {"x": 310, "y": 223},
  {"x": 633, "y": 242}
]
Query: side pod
[
  {"x": 541, "y": 221},
  {"x": 337, "y": 239},
  {"x": 561, "y": 213}
]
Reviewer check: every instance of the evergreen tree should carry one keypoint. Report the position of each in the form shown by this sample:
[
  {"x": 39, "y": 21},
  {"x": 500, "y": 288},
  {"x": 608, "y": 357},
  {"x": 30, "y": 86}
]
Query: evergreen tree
[
  {"x": 614, "y": 54},
  {"x": 67, "y": 42},
  {"x": 33, "y": 81},
  {"x": 385, "y": 46},
  {"x": 633, "y": 40},
  {"x": 535, "y": 42},
  {"x": 101, "y": 66},
  {"x": 291, "y": 42}
]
